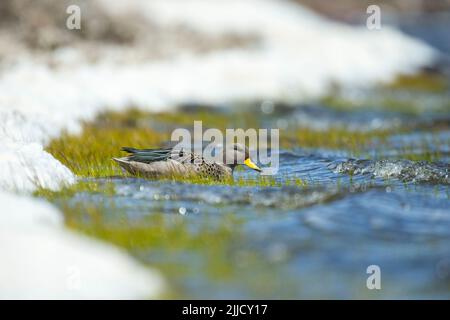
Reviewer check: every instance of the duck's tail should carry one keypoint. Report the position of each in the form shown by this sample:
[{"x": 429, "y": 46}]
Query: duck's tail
[
  {"x": 124, "y": 163},
  {"x": 121, "y": 160}
]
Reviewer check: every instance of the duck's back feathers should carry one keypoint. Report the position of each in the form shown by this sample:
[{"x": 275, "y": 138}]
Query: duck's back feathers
[
  {"x": 155, "y": 163},
  {"x": 147, "y": 155}
]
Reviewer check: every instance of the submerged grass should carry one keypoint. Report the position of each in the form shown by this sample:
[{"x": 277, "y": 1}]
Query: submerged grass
[
  {"x": 88, "y": 186},
  {"x": 161, "y": 233},
  {"x": 259, "y": 181},
  {"x": 217, "y": 244}
]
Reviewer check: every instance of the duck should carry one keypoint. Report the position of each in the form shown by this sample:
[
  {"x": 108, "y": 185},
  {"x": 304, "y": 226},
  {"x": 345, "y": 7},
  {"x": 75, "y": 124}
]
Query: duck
[{"x": 181, "y": 162}]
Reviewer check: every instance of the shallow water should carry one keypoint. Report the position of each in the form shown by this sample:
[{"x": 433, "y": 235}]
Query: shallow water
[{"x": 290, "y": 241}]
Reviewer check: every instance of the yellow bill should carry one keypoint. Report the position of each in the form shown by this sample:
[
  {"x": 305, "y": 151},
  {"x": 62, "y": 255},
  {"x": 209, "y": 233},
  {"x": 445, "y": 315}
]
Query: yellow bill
[{"x": 248, "y": 162}]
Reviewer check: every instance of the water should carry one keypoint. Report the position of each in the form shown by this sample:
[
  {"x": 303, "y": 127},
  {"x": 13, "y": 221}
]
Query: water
[{"x": 291, "y": 241}]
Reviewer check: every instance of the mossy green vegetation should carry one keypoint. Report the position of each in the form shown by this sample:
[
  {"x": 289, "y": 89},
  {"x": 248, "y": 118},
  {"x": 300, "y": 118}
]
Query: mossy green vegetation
[
  {"x": 90, "y": 153},
  {"x": 406, "y": 94},
  {"x": 333, "y": 138},
  {"x": 162, "y": 233},
  {"x": 85, "y": 185},
  {"x": 427, "y": 82},
  {"x": 210, "y": 118},
  {"x": 180, "y": 118},
  {"x": 427, "y": 154},
  {"x": 408, "y": 104}
]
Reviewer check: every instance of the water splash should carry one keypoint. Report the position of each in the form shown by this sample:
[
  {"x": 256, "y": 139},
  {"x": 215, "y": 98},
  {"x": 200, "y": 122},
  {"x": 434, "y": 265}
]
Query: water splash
[{"x": 404, "y": 170}]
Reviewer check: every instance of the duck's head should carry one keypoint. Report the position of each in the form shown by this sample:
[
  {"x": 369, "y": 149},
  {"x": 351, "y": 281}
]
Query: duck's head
[{"x": 236, "y": 154}]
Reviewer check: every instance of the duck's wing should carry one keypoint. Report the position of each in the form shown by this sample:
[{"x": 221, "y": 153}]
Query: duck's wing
[{"x": 147, "y": 155}]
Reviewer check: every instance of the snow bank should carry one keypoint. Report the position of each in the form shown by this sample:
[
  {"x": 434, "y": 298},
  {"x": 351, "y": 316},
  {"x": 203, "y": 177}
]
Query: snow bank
[
  {"x": 300, "y": 53},
  {"x": 40, "y": 259},
  {"x": 25, "y": 166}
]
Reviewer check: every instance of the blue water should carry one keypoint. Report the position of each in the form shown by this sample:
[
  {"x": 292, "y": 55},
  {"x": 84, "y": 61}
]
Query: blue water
[{"x": 311, "y": 242}]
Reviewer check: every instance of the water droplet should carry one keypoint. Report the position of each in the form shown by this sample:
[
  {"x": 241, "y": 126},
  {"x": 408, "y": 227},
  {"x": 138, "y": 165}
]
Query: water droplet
[
  {"x": 281, "y": 124},
  {"x": 277, "y": 252},
  {"x": 267, "y": 107}
]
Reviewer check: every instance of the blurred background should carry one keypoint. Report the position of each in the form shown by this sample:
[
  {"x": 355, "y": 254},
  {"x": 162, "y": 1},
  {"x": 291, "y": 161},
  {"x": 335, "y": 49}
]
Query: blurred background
[
  {"x": 364, "y": 159},
  {"x": 39, "y": 25}
]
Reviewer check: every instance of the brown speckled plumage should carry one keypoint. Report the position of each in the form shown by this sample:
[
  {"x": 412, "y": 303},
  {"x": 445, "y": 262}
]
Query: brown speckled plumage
[{"x": 158, "y": 163}]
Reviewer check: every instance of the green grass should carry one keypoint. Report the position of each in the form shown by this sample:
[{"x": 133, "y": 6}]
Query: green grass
[
  {"x": 412, "y": 103},
  {"x": 211, "y": 118},
  {"x": 89, "y": 154},
  {"x": 67, "y": 192},
  {"x": 259, "y": 181},
  {"x": 425, "y": 82},
  {"x": 407, "y": 94},
  {"x": 426, "y": 155},
  {"x": 333, "y": 138}
]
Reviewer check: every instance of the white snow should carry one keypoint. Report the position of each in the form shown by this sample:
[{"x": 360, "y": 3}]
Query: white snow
[
  {"x": 25, "y": 166},
  {"x": 299, "y": 55},
  {"x": 41, "y": 259}
]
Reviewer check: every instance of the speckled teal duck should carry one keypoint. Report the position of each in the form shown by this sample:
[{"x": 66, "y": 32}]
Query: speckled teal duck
[{"x": 169, "y": 162}]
